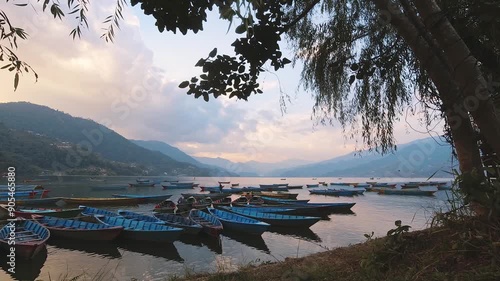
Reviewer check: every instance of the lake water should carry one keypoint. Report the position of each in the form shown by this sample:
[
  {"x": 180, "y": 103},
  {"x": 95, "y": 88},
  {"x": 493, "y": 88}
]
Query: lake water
[{"x": 123, "y": 260}]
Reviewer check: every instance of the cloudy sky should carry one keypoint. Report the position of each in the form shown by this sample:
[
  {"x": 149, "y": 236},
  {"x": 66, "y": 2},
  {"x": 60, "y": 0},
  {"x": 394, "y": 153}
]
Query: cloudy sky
[{"x": 131, "y": 86}]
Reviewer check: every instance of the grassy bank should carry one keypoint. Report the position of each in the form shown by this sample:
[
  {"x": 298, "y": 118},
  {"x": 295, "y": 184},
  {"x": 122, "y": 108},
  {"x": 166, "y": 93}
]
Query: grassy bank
[{"x": 464, "y": 249}]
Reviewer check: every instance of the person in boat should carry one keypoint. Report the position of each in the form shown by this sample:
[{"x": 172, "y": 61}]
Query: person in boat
[{"x": 249, "y": 196}]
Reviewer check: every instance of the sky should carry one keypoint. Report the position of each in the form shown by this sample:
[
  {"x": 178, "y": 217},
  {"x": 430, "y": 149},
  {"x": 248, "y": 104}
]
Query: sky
[{"x": 131, "y": 87}]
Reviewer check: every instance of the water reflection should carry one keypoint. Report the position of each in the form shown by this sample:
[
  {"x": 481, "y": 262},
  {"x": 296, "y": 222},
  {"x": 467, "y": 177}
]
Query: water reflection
[
  {"x": 100, "y": 248},
  {"x": 25, "y": 269},
  {"x": 300, "y": 233},
  {"x": 212, "y": 243},
  {"x": 253, "y": 241},
  {"x": 163, "y": 250}
]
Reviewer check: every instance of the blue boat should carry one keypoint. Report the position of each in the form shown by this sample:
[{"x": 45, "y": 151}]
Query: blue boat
[
  {"x": 275, "y": 209},
  {"x": 189, "y": 226},
  {"x": 332, "y": 206},
  {"x": 273, "y": 187},
  {"x": 140, "y": 217},
  {"x": 80, "y": 230},
  {"x": 178, "y": 186},
  {"x": 235, "y": 222},
  {"x": 89, "y": 211},
  {"x": 142, "y": 184},
  {"x": 273, "y": 200},
  {"x": 211, "y": 225},
  {"x": 356, "y": 190},
  {"x": 108, "y": 187},
  {"x": 275, "y": 219},
  {"x": 147, "y": 198},
  {"x": 312, "y": 185},
  {"x": 143, "y": 231},
  {"x": 333, "y": 192},
  {"x": 415, "y": 192},
  {"x": 29, "y": 237}
]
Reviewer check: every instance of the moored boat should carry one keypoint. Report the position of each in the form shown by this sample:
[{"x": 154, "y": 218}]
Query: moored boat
[
  {"x": 189, "y": 226},
  {"x": 282, "y": 195},
  {"x": 146, "y": 198},
  {"x": 295, "y": 186},
  {"x": 416, "y": 192},
  {"x": 333, "y": 192},
  {"x": 142, "y": 184},
  {"x": 235, "y": 222},
  {"x": 37, "y": 202},
  {"x": 312, "y": 185},
  {"x": 80, "y": 230},
  {"x": 167, "y": 206},
  {"x": 108, "y": 187},
  {"x": 140, "y": 217},
  {"x": 27, "y": 212},
  {"x": 275, "y": 219},
  {"x": 198, "y": 196},
  {"x": 29, "y": 237},
  {"x": 211, "y": 225},
  {"x": 226, "y": 201},
  {"x": 89, "y": 211},
  {"x": 273, "y": 200},
  {"x": 143, "y": 231},
  {"x": 103, "y": 201}
]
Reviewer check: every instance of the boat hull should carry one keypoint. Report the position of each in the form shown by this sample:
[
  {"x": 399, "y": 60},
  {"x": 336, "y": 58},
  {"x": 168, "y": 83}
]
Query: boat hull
[
  {"x": 107, "y": 234},
  {"x": 103, "y": 201},
  {"x": 69, "y": 213},
  {"x": 177, "y": 221},
  {"x": 277, "y": 219},
  {"x": 31, "y": 238},
  {"x": 239, "y": 223}
]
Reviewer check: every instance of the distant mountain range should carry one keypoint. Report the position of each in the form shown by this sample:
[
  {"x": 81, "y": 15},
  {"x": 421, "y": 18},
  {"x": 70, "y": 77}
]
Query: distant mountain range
[
  {"x": 37, "y": 138},
  {"x": 82, "y": 139}
]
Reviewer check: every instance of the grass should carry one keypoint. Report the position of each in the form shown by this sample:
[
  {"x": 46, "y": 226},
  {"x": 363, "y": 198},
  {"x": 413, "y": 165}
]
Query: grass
[{"x": 465, "y": 249}]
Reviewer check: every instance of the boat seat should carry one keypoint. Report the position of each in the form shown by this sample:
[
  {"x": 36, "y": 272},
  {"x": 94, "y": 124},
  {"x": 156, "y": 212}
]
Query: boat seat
[
  {"x": 22, "y": 232},
  {"x": 27, "y": 236},
  {"x": 31, "y": 240}
]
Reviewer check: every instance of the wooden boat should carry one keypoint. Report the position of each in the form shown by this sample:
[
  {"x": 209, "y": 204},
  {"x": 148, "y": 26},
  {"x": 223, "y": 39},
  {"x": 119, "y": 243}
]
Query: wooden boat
[
  {"x": 210, "y": 188},
  {"x": 103, "y": 201},
  {"x": 143, "y": 231},
  {"x": 330, "y": 206},
  {"x": 89, "y": 211},
  {"x": 140, "y": 217},
  {"x": 275, "y": 219},
  {"x": 80, "y": 230},
  {"x": 282, "y": 195},
  {"x": 189, "y": 226},
  {"x": 177, "y": 186},
  {"x": 97, "y": 180},
  {"x": 142, "y": 184},
  {"x": 140, "y": 180},
  {"x": 295, "y": 186},
  {"x": 211, "y": 225},
  {"x": 29, "y": 237},
  {"x": 108, "y": 187},
  {"x": 146, "y": 198},
  {"x": 333, "y": 192},
  {"x": 265, "y": 209},
  {"x": 273, "y": 200},
  {"x": 21, "y": 187},
  {"x": 226, "y": 201},
  {"x": 38, "y": 202},
  {"x": 167, "y": 206},
  {"x": 224, "y": 182},
  {"x": 235, "y": 222},
  {"x": 444, "y": 187},
  {"x": 35, "y": 180},
  {"x": 235, "y": 184},
  {"x": 198, "y": 196},
  {"x": 416, "y": 192},
  {"x": 274, "y": 187},
  {"x": 245, "y": 200},
  {"x": 312, "y": 185},
  {"x": 59, "y": 213}
]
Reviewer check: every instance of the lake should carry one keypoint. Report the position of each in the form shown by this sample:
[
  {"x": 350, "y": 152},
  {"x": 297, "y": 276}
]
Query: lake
[{"x": 123, "y": 260}]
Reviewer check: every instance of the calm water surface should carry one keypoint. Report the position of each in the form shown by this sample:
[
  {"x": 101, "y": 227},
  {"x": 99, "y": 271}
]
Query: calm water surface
[{"x": 123, "y": 260}]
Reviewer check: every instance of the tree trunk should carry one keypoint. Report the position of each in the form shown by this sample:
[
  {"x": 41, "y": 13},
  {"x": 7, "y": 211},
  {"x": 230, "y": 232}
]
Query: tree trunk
[
  {"x": 463, "y": 134},
  {"x": 466, "y": 73}
]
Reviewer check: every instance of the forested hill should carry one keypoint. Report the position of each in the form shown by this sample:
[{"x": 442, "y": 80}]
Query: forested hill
[{"x": 35, "y": 121}]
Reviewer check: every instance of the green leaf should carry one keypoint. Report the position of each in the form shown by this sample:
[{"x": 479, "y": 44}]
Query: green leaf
[
  {"x": 16, "y": 81},
  {"x": 205, "y": 96},
  {"x": 241, "y": 29},
  {"x": 184, "y": 84},
  {"x": 213, "y": 53}
]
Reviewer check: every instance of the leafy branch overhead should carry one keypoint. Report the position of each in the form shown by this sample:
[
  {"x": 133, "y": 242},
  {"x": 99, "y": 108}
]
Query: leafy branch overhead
[{"x": 262, "y": 23}]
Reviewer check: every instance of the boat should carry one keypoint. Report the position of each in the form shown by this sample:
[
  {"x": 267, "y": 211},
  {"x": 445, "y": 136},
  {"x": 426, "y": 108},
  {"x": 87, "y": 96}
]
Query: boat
[
  {"x": 103, "y": 201},
  {"x": 177, "y": 186},
  {"x": 167, "y": 206},
  {"x": 274, "y": 187},
  {"x": 282, "y": 195},
  {"x": 210, "y": 188},
  {"x": 333, "y": 192},
  {"x": 189, "y": 226},
  {"x": 146, "y": 198},
  {"x": 21, "y": 187},
  {"x": 198, "y": 196},
  {"x": 295, "y": 186},
  {"x": 275, "y": 219},
  {"x": 248, "y": 199},
  {"x": 235, "y": 222},
  {"x": 416, "y": 192},
  {"x": 332, "y": 207},
  {"x": 226, "y": 201},
  {"x": 36, "y": 202},
  {"x": 30, "y": 238},
  {"x": 444, "y": 187},
  {"x": 97, "y": 180},
  {"x": 35, "y": 180},
  {"x": 266, "y": 209},
  {"x": 108, "y": 187},
  {"x": 235, "y": 184},
  {"x": 89, "y": 211},
  {"x": 211, "y": 225},
  {"x": 28, "y": 212},
  {"x": 140, "y": 217},
  {"x": 80, "y": 230},
  {"x": 143, "y": 231},
  {"x": 273, "y": 200},
  {"x": 141, "y": 180},
  {"x": 224, "y": 182},
  {"x": 142, "y": 184}
]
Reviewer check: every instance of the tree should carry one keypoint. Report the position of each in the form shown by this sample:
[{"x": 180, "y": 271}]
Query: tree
[{"x": 364, "y": 59}]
